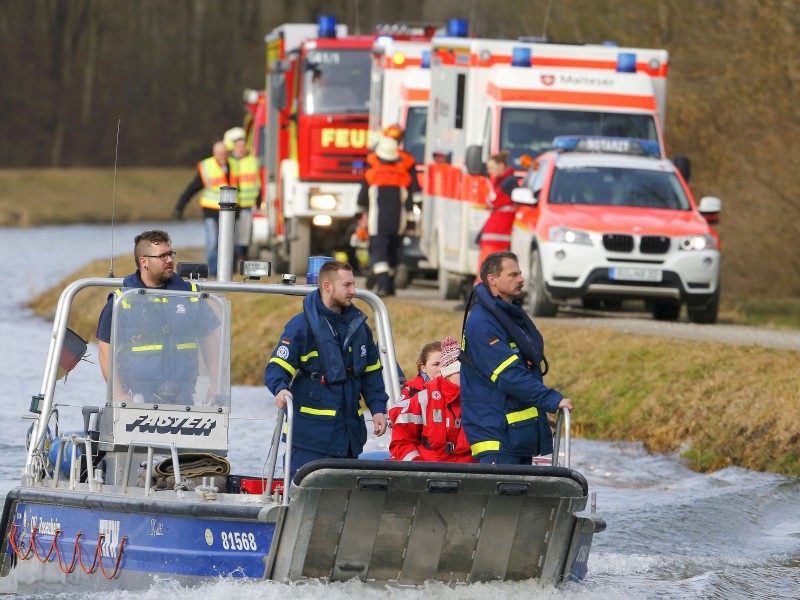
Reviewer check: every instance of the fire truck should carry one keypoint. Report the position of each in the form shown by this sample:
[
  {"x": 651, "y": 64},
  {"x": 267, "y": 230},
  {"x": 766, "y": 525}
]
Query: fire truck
[
  {"x": 317, "y": 103},
  {"x": 492, "y": 95}
]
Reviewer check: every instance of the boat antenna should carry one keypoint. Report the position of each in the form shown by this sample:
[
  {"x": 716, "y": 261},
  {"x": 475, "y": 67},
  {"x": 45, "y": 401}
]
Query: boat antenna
[{"x": 113, "y": 202}]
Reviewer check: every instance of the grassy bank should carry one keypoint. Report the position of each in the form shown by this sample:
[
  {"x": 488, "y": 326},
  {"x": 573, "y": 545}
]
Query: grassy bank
[{"x": 719, "y": 405}]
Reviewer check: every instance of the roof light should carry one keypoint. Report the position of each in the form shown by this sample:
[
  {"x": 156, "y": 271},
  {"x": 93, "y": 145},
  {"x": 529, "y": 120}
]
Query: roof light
[
  {"x": 610, "y": 43},
  {"x": 382, "y": 42},
  {"x": 609, "y": 145},
  {"x": 398, "y": 58},
  {"x": 521, "y": 57},
  {"x": 327, "y": 26},
  {"x": 626, "y": 62},
  {"x": 426, "y": 59},
  {"x": 457, "y": 27}
]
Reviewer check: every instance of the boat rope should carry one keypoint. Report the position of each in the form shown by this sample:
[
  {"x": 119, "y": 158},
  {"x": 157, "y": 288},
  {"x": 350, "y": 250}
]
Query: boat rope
[{"x": 77, "y": 554}]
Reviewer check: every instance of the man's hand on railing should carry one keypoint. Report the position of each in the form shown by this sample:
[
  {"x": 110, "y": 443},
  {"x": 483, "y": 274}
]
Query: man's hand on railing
[{"x": 280, "y": 399}]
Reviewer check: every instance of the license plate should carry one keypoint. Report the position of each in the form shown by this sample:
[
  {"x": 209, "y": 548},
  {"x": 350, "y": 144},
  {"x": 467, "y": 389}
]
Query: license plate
[{"x": 633, "y": 274}]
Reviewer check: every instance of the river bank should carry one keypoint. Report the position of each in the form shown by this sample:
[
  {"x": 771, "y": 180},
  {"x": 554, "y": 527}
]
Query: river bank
[{"x": 718, "y": 405}]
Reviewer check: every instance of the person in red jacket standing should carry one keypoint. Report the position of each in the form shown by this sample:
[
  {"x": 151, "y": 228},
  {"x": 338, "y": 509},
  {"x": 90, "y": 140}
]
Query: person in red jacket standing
[
  {"x": 496, "y": 233},
  {"x": 427, "y": 425}
]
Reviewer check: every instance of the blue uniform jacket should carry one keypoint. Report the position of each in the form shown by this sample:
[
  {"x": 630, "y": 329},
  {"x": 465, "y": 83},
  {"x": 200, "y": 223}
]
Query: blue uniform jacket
[
  {"x": 327, "y": 414},
  {"x": 503, "y": 399}
]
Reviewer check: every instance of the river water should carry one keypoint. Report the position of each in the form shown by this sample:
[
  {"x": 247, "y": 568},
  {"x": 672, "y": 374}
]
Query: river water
[{"x": 671, "y": 533}]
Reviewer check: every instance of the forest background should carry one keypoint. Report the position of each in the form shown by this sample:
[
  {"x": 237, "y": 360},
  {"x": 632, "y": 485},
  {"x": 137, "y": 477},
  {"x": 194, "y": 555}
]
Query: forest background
[{"x": 173, "y": 74}]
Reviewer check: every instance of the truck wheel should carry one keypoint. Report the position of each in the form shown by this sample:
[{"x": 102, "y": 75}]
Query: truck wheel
[
  {"x": 299, "y": 246},
  {"x": 706, "y": 313},
  {"x": 449, "y": 287},
  {"x": 666, "y": 310},
  {"x": 538, "y": 301},
  {"x": 403, "y": 277}
]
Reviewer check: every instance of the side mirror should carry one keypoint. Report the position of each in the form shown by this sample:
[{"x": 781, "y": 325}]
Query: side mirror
[
  {"x": 473, "y": 161},
  {"x": 684, "y": 166},
  {"x": 710, "y": 207},
  {"x": 524, "y": 195},
  {"x": 277, "y": 90}
]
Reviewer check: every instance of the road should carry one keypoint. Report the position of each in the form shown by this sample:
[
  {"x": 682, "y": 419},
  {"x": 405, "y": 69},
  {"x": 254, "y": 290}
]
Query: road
[{"x": 631, "y": 320}]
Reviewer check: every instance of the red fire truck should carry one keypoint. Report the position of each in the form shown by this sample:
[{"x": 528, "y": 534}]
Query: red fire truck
[{"x": 493, "y": 95}]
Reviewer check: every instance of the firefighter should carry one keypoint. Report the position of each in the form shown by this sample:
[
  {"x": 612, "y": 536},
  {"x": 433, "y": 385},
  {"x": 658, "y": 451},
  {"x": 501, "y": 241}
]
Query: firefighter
[
  {"x": 247, "y": 171},
  {"x": 496, "y": 233},
  {"x": 426, "y": 425},
  {"x": 386, "y": 197},
  {"x": 212, "y": 173}
]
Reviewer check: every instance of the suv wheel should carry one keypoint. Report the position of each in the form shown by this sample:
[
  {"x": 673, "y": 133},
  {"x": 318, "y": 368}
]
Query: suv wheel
[
  {"x": 706, "y": 313},
  {"x": 666, "y": 310},
  {"x": 538, "y": 301}
]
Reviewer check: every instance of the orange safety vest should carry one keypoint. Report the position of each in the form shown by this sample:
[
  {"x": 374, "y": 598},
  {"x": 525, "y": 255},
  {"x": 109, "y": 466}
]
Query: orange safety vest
[
  {"x": 382, "y": 174},
  {"x": 213, "y": 178},
  {"x": 246, "y": 171}
]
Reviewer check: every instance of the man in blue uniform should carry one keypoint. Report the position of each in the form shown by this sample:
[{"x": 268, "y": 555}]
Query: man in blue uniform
[
  {"x": 326, "y": 361},
  {"x": 503, "y": 399},
  {"x": 159, "y": 336}
]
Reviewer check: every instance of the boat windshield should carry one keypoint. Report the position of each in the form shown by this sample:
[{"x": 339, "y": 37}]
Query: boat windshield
[
  {"x": 531, "y": 131},
  {"x": 336, "y": 82},
  {"x": 170, "y": 348}
]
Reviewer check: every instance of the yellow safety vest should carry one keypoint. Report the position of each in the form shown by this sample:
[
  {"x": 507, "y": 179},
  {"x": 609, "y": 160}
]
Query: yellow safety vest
[
  {"x": 246, "y": 171},
  {"x": 213, "y": 178}
]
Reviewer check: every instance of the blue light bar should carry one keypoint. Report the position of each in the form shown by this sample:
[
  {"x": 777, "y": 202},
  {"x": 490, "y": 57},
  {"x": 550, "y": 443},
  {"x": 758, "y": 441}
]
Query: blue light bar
[
  {"x": 608, "y": 145},
  {"x": 327, "y": 26},
  {"x": 521, "y": 57},
  {"x": 626, "y": 62},
  {"x": 457, "y": 28},
  {"x": 426, "y": 59}
]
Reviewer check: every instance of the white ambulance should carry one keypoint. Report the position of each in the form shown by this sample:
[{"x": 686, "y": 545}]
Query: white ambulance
[{"x": 493, "y": 95}]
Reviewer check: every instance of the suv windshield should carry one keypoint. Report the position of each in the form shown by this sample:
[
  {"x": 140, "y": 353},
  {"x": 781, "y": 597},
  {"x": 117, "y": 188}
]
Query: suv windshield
[
  {"x": 531, "y": 131},
  {"x": 616, "y": 186},
  {"x": 336, "y": 82}
]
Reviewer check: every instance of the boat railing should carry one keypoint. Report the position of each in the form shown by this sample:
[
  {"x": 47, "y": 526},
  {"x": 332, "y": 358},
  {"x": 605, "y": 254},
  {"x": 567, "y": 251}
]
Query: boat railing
[
  {"x": 74, "y": 460},
  {"x": 148, "y": 477},
  {"x": 273, "y": 451},
  {"x": 562, "y": 424}
]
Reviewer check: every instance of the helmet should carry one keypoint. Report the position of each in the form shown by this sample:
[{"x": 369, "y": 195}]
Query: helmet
[
  {"x": 394, "y": 132},
  {"x": 233, "y": 134}
]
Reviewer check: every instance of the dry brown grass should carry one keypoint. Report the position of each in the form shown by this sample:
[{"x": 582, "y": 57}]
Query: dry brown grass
[{"x": 721, "y": 405}]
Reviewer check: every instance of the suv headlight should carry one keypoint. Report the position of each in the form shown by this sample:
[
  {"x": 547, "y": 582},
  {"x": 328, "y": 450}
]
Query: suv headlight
[
  {"x": 705, "y": 241},
  {"x": 570, "y": 236},
  {"x": 322, "y": 201}
]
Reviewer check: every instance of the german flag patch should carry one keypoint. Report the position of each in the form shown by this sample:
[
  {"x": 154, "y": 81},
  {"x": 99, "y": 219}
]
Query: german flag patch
[
  {"x": 286, "y": 341},
  {"x": 493, "y": 341}
]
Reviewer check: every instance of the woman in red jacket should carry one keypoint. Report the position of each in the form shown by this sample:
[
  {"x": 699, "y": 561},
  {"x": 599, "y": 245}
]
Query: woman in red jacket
[
  {"x": 427, "y": 424},
  {"x": 496, "y": 233},
  {"x": 428, "y": 364}
]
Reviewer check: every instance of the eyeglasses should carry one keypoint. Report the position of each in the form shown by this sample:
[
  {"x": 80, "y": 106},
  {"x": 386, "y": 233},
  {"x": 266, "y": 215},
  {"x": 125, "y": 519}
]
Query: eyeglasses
[{"x": 162, "y": 257}]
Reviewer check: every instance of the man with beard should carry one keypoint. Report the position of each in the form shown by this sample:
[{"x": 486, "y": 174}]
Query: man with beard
[
  {"x": 503, "y": 399},
  {"x": 159, "y": 335},
  {"x": 326, "y": 361}
]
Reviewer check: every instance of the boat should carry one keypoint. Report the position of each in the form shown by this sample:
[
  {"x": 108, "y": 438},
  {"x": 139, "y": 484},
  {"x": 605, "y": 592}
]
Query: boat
[{"x": 145, "y": 490}]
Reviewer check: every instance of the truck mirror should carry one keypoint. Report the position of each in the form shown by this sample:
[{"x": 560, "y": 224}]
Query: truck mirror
[
  {"x": 277, "y": 90},
  {"x": 524, "y": 195},
  {"x": 684, "y": 166},
  {"x": 473, "y": 161}
]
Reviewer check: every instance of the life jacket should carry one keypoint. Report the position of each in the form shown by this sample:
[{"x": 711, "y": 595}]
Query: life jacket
[
  {"x": 246, "y": 170},
  {"x": 214, "y": 177}
]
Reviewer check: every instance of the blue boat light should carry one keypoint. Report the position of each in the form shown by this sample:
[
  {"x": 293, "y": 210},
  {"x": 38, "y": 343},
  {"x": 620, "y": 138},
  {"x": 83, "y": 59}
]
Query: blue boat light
[
  {"x": 610, "y": 43},
  {"x": 626, "y": 62},
  {"x": 426, "y": 59},
  {"x": 521, "y": 57},
  {"x": 457, "y": 27},
  {"x": 327, "y": 26}
]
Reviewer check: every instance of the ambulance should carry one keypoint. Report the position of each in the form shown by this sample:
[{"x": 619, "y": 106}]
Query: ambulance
[{"x": 492, "y": 95}]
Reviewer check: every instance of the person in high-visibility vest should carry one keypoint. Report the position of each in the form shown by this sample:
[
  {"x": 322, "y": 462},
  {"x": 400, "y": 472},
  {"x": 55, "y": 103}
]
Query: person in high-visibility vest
[
  {"x": 212, "y": 173},
  {"x": 248, "y": 173}
]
